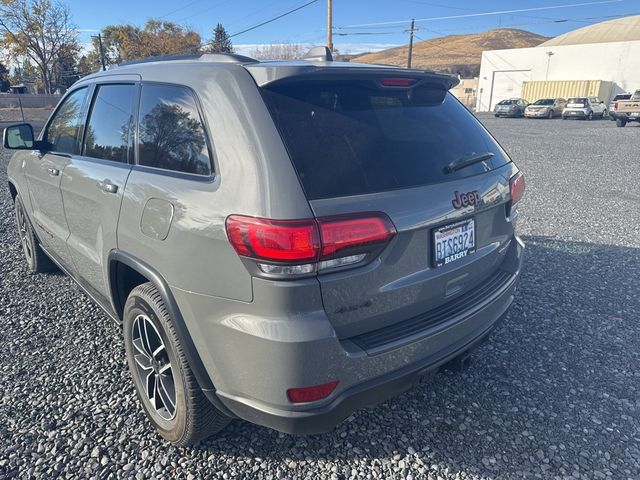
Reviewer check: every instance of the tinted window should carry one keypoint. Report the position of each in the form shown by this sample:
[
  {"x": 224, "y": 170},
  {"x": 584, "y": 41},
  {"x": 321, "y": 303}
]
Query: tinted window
[
  {"x": 171, "y": 133},
  {"x": 578, "y": 101},
  {"x": 544, "y": 101},
  {"x": 63, "y": 129},
  {"x": 508, "y": 102},
  {"x": 352, "y": 138},
  {"x": 109, "y": 132}
]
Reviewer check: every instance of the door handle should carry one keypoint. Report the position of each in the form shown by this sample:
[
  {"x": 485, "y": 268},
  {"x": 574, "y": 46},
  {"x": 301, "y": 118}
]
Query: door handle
[
  {"x": 107, "y": 186},
  {"x": 54, "y": 172}
]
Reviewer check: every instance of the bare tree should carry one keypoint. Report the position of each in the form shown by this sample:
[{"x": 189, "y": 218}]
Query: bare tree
[
  {"x": 278, "y": 51},
  {"x": 41, "y": 30}
]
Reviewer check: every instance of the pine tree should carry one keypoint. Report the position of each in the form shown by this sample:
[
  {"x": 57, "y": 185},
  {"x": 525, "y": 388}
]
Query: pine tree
[{"x": 220, "y": 43}]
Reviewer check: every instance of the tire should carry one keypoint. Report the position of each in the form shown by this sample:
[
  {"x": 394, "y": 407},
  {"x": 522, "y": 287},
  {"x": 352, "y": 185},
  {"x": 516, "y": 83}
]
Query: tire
[
  {"x": 550, "y": 114},
  {"x": 620, "y": 122},
  {"x": 604, "y": 114},
  {"x": 37, "y": 260},
  {"x": 165, "y": 385},
  {"x": 563, "y": 117},
  {"x": 589, "y": 116},
  {"x": 496, "y": 115}
]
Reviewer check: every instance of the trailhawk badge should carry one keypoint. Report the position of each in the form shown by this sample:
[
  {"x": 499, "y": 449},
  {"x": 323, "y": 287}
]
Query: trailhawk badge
[{"x": 465, "y": 199}]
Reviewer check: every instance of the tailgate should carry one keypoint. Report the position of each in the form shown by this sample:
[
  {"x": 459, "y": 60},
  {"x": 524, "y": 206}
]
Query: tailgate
[{"x": 388, "y": 144}]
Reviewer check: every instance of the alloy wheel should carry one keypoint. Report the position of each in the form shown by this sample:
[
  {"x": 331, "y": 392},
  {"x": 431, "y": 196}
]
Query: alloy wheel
[
  {"x": 154, "y": 367},
  {"x": 23, "y": 231}
]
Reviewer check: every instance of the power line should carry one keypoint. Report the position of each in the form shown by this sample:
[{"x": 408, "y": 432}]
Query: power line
[
  {"x": 273, "y": 19},
  {"x": 179, "y": 9},
  {"x": 484, "y": 14}
]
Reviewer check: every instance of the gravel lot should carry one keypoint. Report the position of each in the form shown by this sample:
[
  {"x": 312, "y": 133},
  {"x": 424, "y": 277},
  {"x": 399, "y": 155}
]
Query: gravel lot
[{"x": 554, "y": 394}]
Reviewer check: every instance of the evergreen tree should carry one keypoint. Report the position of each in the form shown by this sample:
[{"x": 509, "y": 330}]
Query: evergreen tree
[
  {"x": 221, "y": 42},
  {"x": 4, "y": 78}
]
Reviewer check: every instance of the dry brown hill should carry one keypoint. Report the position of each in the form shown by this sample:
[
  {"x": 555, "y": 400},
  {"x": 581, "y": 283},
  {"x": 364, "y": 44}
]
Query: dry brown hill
[{"x": 454, "y": 53}]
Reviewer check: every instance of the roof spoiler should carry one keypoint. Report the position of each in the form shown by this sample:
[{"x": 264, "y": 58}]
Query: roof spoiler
[{"x": 319, "y": 54}]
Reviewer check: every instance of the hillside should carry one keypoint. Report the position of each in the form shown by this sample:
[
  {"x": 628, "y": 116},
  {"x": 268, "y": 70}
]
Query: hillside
[{"x": 454, "y": 53}]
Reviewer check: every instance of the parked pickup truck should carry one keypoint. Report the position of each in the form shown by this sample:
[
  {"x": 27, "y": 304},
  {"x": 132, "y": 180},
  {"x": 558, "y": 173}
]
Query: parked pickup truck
[{"x": 628, "y": 110}]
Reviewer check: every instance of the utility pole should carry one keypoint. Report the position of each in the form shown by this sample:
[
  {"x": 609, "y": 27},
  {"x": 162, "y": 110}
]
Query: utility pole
[
  {"x": 411, "y": 30},
  {"x": 101, "y": 49},
  {"x": 330, "y": 25}
]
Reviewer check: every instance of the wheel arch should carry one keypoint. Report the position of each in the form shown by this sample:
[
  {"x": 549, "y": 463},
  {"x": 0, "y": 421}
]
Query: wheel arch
[
  {"x": 13, "y": 190},
  {"x": 126, "y": 272}
]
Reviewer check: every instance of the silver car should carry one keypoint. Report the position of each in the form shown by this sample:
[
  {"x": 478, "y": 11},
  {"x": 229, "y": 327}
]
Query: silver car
[
  {"x": 282, "y": 242},
  {"x": 586, "y": 108},
  {"x": 545, "y": 108}
]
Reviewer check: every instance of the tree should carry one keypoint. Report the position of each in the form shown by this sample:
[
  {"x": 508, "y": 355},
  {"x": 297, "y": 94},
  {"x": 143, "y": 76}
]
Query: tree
[
  {"x": 278, "y": 51},
  {"x": 221, "y": 42},
  {"x": 40, "y": 30},
  {"x": 4, "y": 79},
  {"x": 128, "y": 42}
]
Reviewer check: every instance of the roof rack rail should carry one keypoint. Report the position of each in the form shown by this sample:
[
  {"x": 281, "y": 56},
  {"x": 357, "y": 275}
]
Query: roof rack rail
[{"x": 200, "y": 57}]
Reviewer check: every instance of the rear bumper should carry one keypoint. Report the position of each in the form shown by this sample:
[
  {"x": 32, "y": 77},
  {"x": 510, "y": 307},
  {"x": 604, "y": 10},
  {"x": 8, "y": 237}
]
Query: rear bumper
[
  {"x": 574, "y": 114},
  {"x": 254, "y": 384},
  {"x": 538, "y": 114}
]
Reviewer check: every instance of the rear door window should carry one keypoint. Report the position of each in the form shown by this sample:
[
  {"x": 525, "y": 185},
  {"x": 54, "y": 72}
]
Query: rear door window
[
  {"x": 63, "y": 129},
  {"x": 171, "y": 133},
  {"x": 354, "y": 138},
  {"x": 109, "y": 132}
]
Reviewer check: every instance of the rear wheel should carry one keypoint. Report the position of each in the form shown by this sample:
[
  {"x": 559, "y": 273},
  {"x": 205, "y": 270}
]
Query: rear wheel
[
  {"x": 37, "y": 260},
  {"x": 550, "y": 114},
  {"x": 620, "y": 122},
  {"x": 496, "y": 115},
  {"x": 165, "y": 384},
  {"x": 604, "y": 114},
  {"x": 590, "y": 116},
  {"x": 563, "y": 117}
]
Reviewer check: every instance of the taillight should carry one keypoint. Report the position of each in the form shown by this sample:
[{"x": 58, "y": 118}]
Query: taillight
[
  {"x": 304, "y": 246},
  {"x": 275, "y": 240},
  {"x": 343, "y": 233},
  {"x": 615, "y": 105},
  {"x": 516, "y": 187},
  {"x": 309, "y": 394}
]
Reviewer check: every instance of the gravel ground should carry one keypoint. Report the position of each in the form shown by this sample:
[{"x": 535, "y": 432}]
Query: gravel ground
[{"x": 554, "y": 394}]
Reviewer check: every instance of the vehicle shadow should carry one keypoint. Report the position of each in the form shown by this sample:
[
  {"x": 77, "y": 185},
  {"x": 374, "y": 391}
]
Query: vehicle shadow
[{"x": 554, "y": 391}]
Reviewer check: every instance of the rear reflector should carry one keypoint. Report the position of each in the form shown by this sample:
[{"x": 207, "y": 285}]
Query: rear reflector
[
  {"x": 516, "y": 185},
  {"x": 310, "y": 394},
  {"x": 310, "y": 240},
  {"x": 397, "y": 82}
]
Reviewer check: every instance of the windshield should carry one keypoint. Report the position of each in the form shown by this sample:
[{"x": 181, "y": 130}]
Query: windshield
[
  {"x": 508, "y": 102},
  {"x": 544, "y": 101},
  {"x": 351, "y": 138}
]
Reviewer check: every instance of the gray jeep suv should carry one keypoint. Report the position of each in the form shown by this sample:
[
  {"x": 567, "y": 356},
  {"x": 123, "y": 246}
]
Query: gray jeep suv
[{"x": 282, "y": 242}]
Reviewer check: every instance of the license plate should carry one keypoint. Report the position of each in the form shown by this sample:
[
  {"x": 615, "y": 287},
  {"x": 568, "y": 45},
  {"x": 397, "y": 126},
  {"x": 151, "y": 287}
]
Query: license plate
[
  {"x": 453, "y": 242},
  {"x": 574, "y": 113}
]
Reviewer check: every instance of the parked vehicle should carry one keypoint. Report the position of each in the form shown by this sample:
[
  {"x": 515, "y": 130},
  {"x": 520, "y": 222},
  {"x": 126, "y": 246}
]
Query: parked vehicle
[
  {"x": 586, "y": 108},
  {"x": 628, "y": 110},
  {"x": 512, "y": 107},
  {"x": 545, "y": 108},
  {"x": 282, "y": 242},
  {"x": 612, "y": 104}
]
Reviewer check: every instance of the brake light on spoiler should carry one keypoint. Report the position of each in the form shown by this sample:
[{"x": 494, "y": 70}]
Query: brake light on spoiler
[{"x": 295, "y": 247}]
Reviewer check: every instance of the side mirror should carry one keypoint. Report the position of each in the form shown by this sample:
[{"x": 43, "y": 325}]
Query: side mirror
[{"x": 19, "y": 137}]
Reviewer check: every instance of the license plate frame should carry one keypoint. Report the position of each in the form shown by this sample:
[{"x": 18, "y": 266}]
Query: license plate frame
[{"x": 448, "y": 232}]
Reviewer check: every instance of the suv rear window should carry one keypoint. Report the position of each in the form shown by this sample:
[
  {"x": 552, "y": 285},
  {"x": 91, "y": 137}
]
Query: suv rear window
[{"x": 353, "y": 138}]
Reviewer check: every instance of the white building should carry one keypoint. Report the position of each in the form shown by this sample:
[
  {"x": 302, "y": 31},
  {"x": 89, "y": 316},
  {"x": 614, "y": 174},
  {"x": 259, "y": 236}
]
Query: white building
[{"x": 607, "y": 51}]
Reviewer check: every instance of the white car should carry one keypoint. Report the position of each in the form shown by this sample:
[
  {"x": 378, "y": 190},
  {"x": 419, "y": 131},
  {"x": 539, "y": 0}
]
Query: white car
[{"x": 586, "y": 108}]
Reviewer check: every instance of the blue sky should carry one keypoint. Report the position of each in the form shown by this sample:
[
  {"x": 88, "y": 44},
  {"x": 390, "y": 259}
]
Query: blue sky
[{"x": 366, "y": 24}]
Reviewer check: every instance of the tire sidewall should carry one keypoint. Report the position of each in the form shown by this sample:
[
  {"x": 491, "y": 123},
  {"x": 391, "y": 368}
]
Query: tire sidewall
[{"x": 172, "y": 430}]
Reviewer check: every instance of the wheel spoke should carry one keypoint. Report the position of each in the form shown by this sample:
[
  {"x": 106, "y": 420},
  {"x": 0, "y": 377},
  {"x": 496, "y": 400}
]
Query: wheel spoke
[
  {"x": 158, "y": 351},
  {"x": 167, "y": 393},
  {"x": 143, "y": 361},
  {"x": 164, "y": 369},
  {"x": 145, "y": 338},
  {"x": 151, "y": 387}
]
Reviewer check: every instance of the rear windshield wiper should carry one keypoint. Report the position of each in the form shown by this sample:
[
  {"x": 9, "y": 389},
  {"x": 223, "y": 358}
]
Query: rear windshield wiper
[{"x": 462, "y": 162}]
